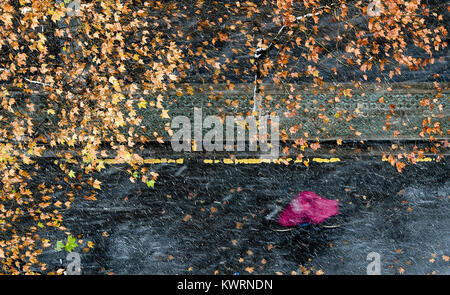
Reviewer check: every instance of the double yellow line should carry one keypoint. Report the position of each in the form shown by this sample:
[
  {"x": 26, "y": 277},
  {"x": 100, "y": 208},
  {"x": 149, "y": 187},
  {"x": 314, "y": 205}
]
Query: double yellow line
[
  {"x": 286, "y": 161},
  {"x": 245, "y": 161},
  {"x": 151, "y": 161},
  {"x": 426, "y": 159},
  {"x": 250, "y": 161}
]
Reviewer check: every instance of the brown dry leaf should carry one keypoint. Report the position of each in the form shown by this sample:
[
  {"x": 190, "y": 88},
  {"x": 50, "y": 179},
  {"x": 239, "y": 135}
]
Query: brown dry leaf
[
  {"x": 249, "y": 269},
  {"x": 91, "y": 197}
]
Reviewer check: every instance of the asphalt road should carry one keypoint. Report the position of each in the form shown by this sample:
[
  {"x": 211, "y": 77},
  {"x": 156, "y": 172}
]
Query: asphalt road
[{"x": 217, "y": 218}]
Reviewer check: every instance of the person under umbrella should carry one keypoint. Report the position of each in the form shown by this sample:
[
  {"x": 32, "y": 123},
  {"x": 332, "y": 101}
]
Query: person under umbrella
[{"x": 308, "y": 208}]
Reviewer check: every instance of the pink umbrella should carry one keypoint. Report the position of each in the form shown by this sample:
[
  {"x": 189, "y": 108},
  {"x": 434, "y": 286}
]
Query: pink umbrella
[{"x": 308, "y": 207}]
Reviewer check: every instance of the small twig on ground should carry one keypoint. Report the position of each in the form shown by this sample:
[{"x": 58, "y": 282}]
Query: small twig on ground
[{"x": 331, "y": 226}]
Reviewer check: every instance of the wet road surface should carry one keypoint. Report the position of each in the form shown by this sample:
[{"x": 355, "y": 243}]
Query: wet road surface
[{"x": 205, "y": 219}]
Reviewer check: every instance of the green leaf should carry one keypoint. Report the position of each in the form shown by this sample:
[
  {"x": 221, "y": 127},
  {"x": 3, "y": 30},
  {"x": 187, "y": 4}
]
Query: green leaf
[
  {"x": 151, "y": 183},
  {"x": 40, "y": 224},
  {"x": 59, "y": 245},
  {"x": 71, "y": 244},
  {"x": 135, "y": 174}
]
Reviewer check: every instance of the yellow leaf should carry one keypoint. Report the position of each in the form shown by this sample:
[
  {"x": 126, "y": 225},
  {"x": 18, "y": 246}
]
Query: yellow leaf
[
  {"x": 100, "y": 165},
  {"x": 97, "y": 184},
  {"x": 164, "y": 114},
  {"x": 348, "y": 92},
  {"x": 142, "y": 104},
  {"x": 190, "y": 90},
  {"x": 40, "y": 46},
  {"x": 116, "y": 97},
  {"x": 57, "y": 15},
  {"x": 119, "y": 122}
]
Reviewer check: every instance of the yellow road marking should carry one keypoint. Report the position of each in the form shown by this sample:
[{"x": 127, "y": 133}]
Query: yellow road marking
[
  {"x": 246, "y": 161},
  {"x": 250, "y": 161},
  {"x": 322, "y": 160},
  {"x": 426, "y": 159}
]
